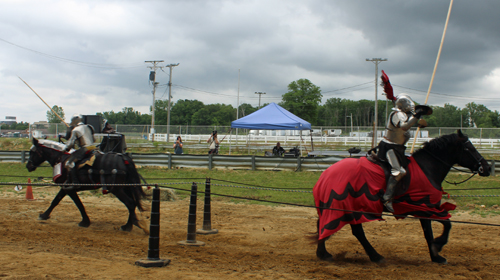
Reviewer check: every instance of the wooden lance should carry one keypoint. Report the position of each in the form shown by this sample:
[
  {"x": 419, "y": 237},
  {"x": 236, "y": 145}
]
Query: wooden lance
[
  {"x": 434, "y": 72},
  {"x": 45, "y": 102}
]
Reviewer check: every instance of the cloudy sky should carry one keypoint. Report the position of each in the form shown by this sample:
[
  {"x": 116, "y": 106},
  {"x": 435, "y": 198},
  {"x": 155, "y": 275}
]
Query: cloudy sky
[{"x": 89, "y": 56}]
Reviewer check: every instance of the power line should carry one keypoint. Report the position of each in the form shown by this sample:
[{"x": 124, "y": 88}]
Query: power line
[
  {"x": 417, "y": 91},
  {"x": 77, "y": 62},
  {"x": 341, "y": 89}
]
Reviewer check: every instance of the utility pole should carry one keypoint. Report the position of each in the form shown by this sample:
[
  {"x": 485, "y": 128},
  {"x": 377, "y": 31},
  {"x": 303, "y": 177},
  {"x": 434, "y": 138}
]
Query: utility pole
[
  {"x": 260, "y": 94},
  {"x": 376, "y": 61},
  {"x": 169, "y": 98},
  {"x": 351, "y": 123},
  {"x": 152, "y": 77},
  {"x": 238, "y": 105}
]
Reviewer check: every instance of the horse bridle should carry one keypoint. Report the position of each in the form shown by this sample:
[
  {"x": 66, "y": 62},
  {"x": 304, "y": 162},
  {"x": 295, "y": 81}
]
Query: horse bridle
[
  {"x": 480, "y": 169},
  {"x": 34, "y": 149},
  {"x": 466, "y": 149},
  {"x": 39, "y": 153}
]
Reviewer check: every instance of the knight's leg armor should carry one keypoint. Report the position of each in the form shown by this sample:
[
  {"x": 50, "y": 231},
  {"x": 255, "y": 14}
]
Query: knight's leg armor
[
  {"x": 397, "y": 172},
  {"x": 72, "y": 168}
]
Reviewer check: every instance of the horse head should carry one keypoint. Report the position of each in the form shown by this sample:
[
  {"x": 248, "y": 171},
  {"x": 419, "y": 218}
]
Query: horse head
[
  {"x": 469, "y": 157},
  {"x": 44, "y": 150}
]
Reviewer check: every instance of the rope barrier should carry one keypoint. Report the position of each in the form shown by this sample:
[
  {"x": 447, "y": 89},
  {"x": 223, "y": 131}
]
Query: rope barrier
[
  {"x": 267, "y": 201},
  {"x": 253, "y": 185},
  {"x": 265, "y": 189},
  {"x": 345, "y": 210},
  {"x": 220, "y": 185}
]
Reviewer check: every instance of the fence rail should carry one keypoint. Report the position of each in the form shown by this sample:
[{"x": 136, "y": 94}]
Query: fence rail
[{"x": 222, "y": 161}]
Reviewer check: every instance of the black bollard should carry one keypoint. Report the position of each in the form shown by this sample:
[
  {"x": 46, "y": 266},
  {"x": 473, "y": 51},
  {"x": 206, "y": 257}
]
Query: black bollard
[
  {"x": 153, "y": 259},
  {"x": 207, "y": 214},
  {"x": 191, "y": 235}
]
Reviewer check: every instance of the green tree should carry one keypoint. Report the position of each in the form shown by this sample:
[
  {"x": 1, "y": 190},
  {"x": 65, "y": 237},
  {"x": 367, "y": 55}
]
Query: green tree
[
  {"x": 302, "y": 99},
  {"x": 246, "y": 109},
  {"x": 447, "y": 116},
  {"x": 52, "y": 117},
  {"x": 182, "y": 111},
  {"x": 214, "y": 114},
  {"x": 480, "y": 116},
  {"x": 127, "y": 116}
]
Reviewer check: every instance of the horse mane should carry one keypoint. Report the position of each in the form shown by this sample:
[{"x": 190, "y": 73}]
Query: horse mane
[
  {"x": 52, "y": 145},
  {"x": 439, "y": 144}
]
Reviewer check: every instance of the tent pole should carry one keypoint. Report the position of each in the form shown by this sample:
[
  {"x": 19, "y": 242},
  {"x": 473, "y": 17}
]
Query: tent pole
[
  {"x": 312, "y": 144},
  {"x": 300, "y": 141},
  {"x": 230, "y": 138}
]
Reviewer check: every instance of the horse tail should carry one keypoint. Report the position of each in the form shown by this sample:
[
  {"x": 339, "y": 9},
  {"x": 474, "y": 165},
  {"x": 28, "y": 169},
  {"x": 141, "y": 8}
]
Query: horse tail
[{"x": 136, "y": 192}]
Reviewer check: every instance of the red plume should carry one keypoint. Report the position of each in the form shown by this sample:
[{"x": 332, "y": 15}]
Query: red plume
[{"x": 387, "y": 86}]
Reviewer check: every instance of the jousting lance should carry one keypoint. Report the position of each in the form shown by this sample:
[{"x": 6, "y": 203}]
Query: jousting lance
[
  {"x": 44, "y": 102},
  {"x": 434, "y": 72}
]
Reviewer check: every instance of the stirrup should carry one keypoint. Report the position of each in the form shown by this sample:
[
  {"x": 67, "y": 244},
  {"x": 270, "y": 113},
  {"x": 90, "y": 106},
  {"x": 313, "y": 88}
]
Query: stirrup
[{"x": 388, "y": 205}]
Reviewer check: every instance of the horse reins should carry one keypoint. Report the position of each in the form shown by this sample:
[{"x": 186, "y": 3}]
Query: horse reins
[{"x": 451, "y": 166}]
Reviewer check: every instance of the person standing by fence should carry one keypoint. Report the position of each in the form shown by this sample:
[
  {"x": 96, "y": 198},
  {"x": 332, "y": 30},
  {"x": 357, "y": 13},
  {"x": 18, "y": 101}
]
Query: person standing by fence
[
  {"x": 178, "y": 146},
  {"x": 214, "y": 143}
]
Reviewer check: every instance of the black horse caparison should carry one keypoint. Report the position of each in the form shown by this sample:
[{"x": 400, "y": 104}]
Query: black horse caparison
[
  {"x": 109, "y": 168},
  {"x": 435, "y": 159}
]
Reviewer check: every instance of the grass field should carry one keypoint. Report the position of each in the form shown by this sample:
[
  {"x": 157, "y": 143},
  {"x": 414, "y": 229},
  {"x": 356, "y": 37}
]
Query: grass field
[{"x": 254, "y": 184}]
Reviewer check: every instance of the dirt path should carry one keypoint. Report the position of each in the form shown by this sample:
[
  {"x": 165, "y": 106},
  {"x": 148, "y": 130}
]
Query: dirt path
[{"x": 257, "y": 242}]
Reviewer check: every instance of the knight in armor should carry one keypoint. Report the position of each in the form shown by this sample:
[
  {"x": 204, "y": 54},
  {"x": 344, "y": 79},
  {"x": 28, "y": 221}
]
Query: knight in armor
[
  {"x": 83, "y": 136},
  {"x": 107, "y": 128},
  {"x": 392, "y": 147}
]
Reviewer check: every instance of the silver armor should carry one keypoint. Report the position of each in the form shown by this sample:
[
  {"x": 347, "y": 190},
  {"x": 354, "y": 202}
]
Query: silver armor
[
  {"x": 404, "y": 103},
  {"x": 398, "y": 127},
  {"x": 82, "y": 136}
]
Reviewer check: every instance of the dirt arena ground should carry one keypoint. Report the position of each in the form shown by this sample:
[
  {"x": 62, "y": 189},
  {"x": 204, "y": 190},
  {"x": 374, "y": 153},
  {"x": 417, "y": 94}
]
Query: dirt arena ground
[{"x": 257, "y": 242}]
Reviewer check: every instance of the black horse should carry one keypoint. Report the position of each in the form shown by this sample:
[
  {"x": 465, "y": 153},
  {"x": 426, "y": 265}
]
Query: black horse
[
  {"x": 358, "y": 185},
  {"x": 108, "y": 168}
]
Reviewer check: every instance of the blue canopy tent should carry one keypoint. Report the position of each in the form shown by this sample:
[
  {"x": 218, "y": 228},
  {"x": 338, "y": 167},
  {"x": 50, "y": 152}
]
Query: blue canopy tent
[{"x": 272, "y": 117}]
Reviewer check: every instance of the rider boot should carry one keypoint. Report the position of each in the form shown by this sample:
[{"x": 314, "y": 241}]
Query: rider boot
[{"x": 389, "y": 193}]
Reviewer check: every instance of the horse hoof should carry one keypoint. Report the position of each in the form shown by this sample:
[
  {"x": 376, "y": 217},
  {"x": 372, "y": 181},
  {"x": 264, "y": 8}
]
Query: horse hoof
[
  {"x": 378, "y": 259},
  {"x": 439, "y": 260},
  {"x": 43, "y": 217},
  {"x": 142, "y": 224},
  {"x": 84, "y": 224},
  {"x": 126, "y": 228},
  {"x": 325, "y": 257}
]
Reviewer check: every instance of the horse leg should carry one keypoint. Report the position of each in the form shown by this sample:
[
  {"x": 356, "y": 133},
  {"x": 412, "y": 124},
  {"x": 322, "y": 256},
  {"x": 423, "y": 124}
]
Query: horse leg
[
  {"x": 357, "y": 230},
  {"x": 435, "y": 245},
  {"x": 440, "y": 241},
  {"x": 321, "y": 251},
  {"x": 76, "y": 199},
  {"x": 130, "y": 204},
  {"x": 46, "y": 215}
]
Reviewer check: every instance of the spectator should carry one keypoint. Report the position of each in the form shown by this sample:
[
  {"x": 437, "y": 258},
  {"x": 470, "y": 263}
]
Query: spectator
[
  {"x": 278, "y": 150},
  {"x": 178, "y": 146},
  {"x": 214, "y": 143}
]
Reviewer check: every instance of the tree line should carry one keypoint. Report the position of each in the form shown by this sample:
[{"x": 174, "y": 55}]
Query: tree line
[{"x": 302, "y": 99}]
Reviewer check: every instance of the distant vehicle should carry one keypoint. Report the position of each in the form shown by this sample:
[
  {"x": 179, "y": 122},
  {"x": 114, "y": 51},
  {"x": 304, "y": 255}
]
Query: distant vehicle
[
  {"x": 316, "y": 132},
  {"x": 333, "y": 132}
]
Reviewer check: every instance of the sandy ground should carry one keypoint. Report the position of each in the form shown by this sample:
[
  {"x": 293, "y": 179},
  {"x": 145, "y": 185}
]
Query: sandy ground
[{"x": 257, "y": 242}]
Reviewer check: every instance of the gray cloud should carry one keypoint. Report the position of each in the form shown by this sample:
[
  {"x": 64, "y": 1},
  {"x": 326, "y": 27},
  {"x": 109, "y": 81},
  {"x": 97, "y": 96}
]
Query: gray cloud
[{"x": 88, "y": 57}]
